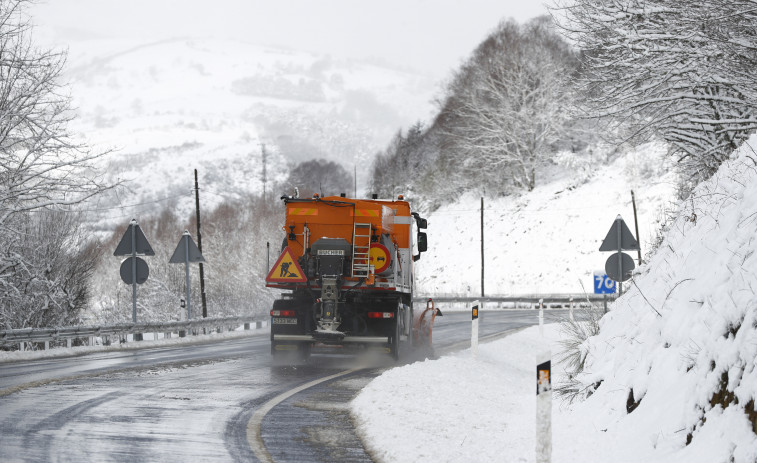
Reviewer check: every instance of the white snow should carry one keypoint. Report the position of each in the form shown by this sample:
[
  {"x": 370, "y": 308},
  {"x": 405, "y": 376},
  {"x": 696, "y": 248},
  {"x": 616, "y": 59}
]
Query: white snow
[
  {"x": 458, "y": 408},
  {"x": 683, "y": 339},
  {"x": 546, "y": 240},
  {"x": 171, "y": 106}
]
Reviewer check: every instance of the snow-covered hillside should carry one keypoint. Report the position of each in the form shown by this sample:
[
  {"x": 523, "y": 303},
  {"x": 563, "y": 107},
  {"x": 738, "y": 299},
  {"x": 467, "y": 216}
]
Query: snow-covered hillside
[
  {"x": 682, "y": 343},
  {"x": 671, "y": 377},
  {"x": 547, "y": 240},
  {"x": 173, "y": 106}
]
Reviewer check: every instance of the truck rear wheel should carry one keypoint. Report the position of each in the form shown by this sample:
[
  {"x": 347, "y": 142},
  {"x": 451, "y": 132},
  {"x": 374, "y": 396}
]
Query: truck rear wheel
[{"x": 394, "y": 339}]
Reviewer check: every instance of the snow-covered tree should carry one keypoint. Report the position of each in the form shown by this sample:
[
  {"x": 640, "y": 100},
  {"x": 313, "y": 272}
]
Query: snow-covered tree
[
  {"x": 507, "y": 105},
  {"x": 679, "y": 70},
  {"x": 326, "y": 178},
  {"x": 234, "y": 233},
  {"x": 41, "y": 168},
  {"x": 47, "y": 263},
  {"x": 399, "y": 167}
]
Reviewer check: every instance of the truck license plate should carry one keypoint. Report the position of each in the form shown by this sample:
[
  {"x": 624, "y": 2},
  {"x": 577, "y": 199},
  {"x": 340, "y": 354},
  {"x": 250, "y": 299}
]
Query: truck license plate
[
  {"x": 284, "y": 321},
  {"x": 330, "y": 252}
]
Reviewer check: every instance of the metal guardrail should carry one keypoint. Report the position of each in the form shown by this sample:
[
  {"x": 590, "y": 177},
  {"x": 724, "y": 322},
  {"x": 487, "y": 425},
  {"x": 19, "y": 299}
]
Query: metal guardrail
[
  {"x": 121, "y": 330},
  {"x": 546, "y": 299}
]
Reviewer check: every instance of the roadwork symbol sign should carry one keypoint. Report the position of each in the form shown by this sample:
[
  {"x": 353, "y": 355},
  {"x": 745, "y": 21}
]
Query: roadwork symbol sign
[{"x": 286, "y": 269}]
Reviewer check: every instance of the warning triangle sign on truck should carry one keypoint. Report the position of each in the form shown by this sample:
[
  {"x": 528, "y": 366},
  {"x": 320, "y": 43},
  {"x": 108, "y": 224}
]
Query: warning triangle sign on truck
[{"x": 286, "y": 269}]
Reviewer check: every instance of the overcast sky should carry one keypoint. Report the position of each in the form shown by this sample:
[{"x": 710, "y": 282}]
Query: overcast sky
[{"x": 426, "y": 35}]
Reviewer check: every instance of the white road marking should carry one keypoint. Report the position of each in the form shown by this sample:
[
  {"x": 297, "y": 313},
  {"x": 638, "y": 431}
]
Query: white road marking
[{"x": 254, "y": 437}]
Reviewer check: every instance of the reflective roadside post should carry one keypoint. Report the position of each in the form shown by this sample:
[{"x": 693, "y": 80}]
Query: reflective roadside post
[
  {"x": 544, "y": 407},
  {"x": 474, "y": 328}
]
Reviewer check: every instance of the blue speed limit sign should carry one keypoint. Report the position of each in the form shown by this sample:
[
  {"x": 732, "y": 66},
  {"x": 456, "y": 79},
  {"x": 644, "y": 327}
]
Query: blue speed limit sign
[{"x": 603, "y": 284}]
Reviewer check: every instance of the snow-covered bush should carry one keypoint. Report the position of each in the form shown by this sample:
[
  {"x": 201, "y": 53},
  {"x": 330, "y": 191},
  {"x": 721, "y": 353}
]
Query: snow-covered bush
[{"x": 576, "y": 332}]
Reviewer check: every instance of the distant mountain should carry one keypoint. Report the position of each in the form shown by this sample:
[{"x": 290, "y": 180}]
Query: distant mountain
[{"x": 169, "y": 107}]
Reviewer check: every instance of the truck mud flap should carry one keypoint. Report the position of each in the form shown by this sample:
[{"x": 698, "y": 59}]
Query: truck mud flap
[{"x": 345, "y": 340}]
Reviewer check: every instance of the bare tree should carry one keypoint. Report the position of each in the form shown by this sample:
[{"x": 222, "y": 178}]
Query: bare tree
[
  {"x": 507, "y": 105},
  {"x": 46, "y": 267},
  {"x": 41, "y": 166},
  {"x": 319, "y": 176},
  {"x": 678, "y": 70}
]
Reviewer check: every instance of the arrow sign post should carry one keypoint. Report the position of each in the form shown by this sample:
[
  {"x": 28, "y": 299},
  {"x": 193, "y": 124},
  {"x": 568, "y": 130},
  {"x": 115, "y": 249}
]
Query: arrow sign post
[
  {"x": 618, "y": 266},
  {"x": 187, "y": 252},
  {"x": 132, "y": 243}
]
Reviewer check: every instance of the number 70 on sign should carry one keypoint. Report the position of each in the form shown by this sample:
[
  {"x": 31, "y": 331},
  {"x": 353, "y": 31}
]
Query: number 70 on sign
[{"x": 603, "y": 284}]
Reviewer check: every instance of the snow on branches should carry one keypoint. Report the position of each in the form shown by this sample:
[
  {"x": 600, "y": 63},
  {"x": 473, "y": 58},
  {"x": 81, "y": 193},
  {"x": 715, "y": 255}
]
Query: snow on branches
[
  {"x": 42, "y": 169},
  {"x": 678, "y": 70}
]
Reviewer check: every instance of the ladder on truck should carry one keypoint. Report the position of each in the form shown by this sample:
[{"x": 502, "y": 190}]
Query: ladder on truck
[{"x": 361, "y": 250}]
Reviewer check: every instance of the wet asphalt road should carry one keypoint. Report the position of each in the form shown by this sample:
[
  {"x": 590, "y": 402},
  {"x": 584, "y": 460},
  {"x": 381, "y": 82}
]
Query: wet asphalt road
[{"x": 197, "y": 402}]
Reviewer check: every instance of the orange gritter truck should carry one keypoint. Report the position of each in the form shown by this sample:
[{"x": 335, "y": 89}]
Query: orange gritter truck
[{"x": 347, "y": 266}]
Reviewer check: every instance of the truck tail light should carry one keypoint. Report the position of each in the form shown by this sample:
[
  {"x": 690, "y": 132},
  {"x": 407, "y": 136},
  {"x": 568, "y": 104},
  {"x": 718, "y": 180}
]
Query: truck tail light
[
  {"x": 283, "y": 313},
  {"x": 380, "y": 314}
]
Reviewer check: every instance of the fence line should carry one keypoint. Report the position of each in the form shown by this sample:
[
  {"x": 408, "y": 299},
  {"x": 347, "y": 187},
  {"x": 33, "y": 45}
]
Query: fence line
[
  {"x": 122, "y": 330},
  {"x": 523, "y": 299}
]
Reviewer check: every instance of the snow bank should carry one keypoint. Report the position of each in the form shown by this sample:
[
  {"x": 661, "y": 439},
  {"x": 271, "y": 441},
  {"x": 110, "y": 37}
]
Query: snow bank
[
  {"x": 683, "y": 340},
  {"x": 458, "y": 408}
]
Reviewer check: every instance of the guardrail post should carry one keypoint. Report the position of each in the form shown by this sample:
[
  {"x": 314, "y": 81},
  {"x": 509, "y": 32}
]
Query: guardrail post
[
  {"x": 47, "y": 345},
  {"x": 22, "y": 346},
  {"x": 68, "y": 342},
  {"x": 571, "y": 310}
]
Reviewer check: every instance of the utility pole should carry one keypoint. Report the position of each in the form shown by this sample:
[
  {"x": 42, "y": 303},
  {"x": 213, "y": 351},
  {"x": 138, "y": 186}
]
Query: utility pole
[
  {"x": 264, "y": 160},
  {"x": 199, "y": 246},
  {"x": 482, "y": 246},
  {"x": 636, "y": 223}
]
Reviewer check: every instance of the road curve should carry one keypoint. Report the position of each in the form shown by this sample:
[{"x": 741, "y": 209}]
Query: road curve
[{"x": 214, "y": 402}]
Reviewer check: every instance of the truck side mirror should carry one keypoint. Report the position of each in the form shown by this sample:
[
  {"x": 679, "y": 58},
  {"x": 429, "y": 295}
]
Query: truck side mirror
[{"x": 422, "y": 242}]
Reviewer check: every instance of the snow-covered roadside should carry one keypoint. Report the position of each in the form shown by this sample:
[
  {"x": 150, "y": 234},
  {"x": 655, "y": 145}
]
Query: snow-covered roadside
[
  {"x": 17, "y": 356},
  {"x": 459, "y": 408},
  {"x": 671, "y": 376}
]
